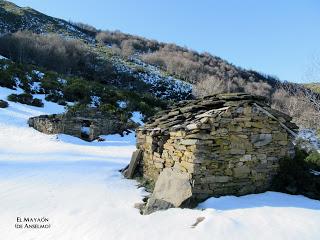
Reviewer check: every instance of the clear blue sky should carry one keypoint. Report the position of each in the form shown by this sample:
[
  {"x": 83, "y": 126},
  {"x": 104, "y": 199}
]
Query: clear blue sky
[{"x": 278, "y": 37}]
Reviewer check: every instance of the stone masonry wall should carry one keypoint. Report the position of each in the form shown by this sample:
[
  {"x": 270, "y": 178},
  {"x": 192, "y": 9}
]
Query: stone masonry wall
[
  {"x": 46, "y": 124},
  {"x": 72, "y": 125},
  {"x": 232, "y": 150}
]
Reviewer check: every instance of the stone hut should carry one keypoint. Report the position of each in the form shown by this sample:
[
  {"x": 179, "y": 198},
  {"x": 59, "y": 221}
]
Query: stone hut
[
  {"x": 88, "y": 124},
  {"x": 227, "y": 144}
]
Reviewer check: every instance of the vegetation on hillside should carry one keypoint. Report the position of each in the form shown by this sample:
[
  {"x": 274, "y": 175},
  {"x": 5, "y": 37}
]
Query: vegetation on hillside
[
  {"x": 64, "y": 88},
  {"x": 181, "y": 62},
  {"x": 121, "y": 62},
  {"x": 53, "y": 52},
  {"x": 315, "y": 87},
  {"x": 14, "y": 18},
  {"x": 26, "y": 98}
]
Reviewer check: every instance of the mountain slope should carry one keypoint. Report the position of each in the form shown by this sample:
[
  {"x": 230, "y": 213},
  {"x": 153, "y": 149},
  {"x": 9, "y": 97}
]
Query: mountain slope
[
  {"x": 136, "y": 64},
  {"x": 14, "y": 18},
  {"x": 132, "y": 54}
]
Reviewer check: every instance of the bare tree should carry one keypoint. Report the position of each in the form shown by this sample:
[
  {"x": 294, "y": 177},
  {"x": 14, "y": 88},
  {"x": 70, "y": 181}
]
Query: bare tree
[
  {"x": 299, "y": 90},
  {"x": 295, "y": 101}
]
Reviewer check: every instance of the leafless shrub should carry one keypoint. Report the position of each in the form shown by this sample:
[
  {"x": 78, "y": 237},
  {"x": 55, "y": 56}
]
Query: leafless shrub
[
  {"x": 86, "y": 27},
  {"x": 294, "y": 89},
  {"x": 298, "y": 106},
  {"x": 109, "y": 38},
  {"x": 213, "y": 85},
  {"x": 209, "y": 86},
  {"x": 258, "y": 88}
]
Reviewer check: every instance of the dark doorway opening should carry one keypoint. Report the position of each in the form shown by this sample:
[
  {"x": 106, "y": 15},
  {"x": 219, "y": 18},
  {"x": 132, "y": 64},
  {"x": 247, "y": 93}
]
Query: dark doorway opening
[{"x": 85, "y": 130}]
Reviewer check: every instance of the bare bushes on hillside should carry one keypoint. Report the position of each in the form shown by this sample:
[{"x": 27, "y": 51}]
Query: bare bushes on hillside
[
  {"x": 301, "y": 90},
  {"x": 53, "y": 52},
  {"x": 197, "y": 68},
  {"x": 85, "y": 27},
  {"x": 178, "y": 63},
  {"x": 50, "y": 51},
  {"x": 126, "y": 44},
  {"x": 208, "y": 73},
  {"x": 298, "y": 106},
  {"x": 214, "y": 85}
]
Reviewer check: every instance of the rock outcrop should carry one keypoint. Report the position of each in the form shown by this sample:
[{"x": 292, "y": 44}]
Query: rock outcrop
[{"x": 227, "y": 144}]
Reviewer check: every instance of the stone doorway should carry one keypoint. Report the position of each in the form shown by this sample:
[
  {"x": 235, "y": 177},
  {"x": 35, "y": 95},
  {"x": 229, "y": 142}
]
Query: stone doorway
[{"x": 85, "y": 130}]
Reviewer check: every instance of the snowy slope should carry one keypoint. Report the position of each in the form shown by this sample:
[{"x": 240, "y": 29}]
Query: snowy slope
[
  {"x": 78, "y": 187},
  {"x": 28, "y": 144},
  {"x": 163, "y": 86}
]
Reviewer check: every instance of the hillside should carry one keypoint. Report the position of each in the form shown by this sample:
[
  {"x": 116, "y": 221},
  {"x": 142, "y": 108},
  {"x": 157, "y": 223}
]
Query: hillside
[
  {"x": 315, "y": 87},
  {"x": 135, "y": 65},
  {"x": 14, "y": 18}
]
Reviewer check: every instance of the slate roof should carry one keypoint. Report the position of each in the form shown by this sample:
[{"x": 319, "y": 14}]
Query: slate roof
[{"x": 187, "y": 112}]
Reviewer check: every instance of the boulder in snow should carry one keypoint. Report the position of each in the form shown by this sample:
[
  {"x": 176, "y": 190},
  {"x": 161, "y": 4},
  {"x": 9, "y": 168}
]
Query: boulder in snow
[
  {"x": 172, "y": 189},
  {"x": 3, "y": 104}
]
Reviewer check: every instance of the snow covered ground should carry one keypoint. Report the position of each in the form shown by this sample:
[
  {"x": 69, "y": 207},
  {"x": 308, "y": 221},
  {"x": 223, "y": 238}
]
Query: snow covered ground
[{"x": 77, "y": 186}]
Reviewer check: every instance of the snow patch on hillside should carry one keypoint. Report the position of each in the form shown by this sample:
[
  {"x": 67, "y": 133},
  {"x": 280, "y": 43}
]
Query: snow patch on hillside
[
  {"x": 164, "y": 87},
  {"x": 310, "y": 135},
  {"x": 39, "y": 74}
]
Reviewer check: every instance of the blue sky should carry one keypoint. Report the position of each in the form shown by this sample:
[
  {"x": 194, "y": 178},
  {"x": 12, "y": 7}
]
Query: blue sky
[{"x": 271, "y": 36}]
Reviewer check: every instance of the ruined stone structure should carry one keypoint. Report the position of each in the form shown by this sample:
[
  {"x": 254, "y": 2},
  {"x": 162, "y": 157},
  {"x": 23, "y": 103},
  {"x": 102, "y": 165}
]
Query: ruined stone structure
[
  {"x": 88, "y": 125},
  {"x": 227, "y": 144}
]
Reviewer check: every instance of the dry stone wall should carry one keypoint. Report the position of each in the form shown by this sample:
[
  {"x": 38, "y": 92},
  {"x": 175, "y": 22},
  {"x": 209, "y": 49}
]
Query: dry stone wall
[
  {"x": 88, "y": 125},
  {"x": 227, "y": 144}
]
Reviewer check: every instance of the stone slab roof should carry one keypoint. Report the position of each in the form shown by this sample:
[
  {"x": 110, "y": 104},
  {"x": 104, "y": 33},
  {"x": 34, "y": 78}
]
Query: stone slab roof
[{"x": 185, "y": 114}]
